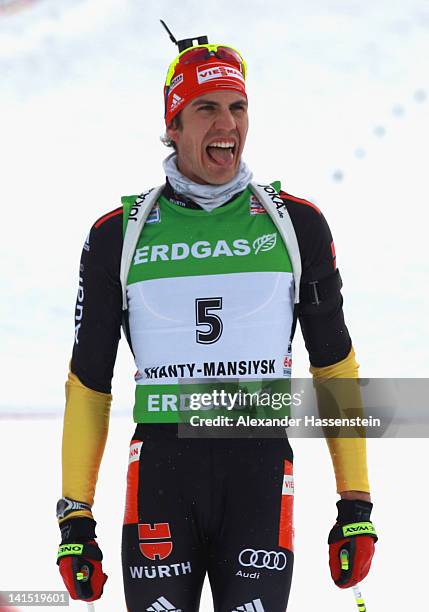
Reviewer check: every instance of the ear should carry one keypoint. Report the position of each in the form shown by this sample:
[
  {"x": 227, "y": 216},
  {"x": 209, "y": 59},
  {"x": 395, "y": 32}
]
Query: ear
[{"x": 173, "y": 130}]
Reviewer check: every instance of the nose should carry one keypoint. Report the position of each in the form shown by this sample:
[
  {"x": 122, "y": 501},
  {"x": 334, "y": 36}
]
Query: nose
[{"x": 225, "y": 120}]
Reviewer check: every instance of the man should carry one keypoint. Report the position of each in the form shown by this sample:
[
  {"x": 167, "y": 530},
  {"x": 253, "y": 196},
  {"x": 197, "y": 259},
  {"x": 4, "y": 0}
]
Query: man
[{"x": 210, "y": 288}]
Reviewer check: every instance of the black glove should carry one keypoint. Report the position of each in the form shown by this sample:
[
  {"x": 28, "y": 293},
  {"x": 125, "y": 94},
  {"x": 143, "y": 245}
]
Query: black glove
[{"x": 79, "y": 559}]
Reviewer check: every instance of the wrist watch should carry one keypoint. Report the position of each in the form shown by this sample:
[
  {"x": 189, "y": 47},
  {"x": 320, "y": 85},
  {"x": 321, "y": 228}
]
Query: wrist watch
[{"x": 65, "y": 505}]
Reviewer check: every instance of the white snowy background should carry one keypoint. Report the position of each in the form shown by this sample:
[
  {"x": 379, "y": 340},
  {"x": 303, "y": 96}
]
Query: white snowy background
[{"x": 339, "y": 109}]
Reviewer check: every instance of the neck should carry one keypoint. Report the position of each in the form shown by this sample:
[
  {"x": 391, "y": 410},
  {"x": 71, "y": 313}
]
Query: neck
[
  {"x": 193, "y": 177},
  {"x": 206, "y": 195}
]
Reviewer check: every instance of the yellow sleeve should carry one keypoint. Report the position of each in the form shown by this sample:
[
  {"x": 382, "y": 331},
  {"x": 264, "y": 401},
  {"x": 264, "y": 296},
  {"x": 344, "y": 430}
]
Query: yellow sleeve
[
  {"x": 348, "y": 454},
  {"x": 86, "y": 423}
]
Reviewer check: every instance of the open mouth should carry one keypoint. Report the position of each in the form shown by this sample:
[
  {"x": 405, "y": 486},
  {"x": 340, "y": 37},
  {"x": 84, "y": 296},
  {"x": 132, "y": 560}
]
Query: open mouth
[{"x": 221, "y": 152}]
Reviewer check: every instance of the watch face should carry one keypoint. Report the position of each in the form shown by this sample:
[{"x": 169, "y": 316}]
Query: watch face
[{"x": 62, "y": 506}]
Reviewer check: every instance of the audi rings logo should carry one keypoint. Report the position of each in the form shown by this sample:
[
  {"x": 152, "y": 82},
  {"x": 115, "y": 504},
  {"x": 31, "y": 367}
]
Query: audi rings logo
[{"x": 263, "y": 559}]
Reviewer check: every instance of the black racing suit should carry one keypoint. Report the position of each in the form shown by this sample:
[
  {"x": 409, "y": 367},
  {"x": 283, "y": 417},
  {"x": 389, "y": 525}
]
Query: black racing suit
[{"x": 214, "y": 506}]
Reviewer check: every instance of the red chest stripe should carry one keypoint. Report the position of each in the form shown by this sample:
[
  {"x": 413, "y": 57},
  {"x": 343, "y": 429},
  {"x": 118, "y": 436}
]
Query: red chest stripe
[
  {"x": 300, "y": 201},
  {"x": 109, "y": 215}
]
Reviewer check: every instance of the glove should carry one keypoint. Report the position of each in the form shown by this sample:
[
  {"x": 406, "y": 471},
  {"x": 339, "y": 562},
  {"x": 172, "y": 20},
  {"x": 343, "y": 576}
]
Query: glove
[
  {"x": 79, "y": 559},
  {"x": 351, "y": 543}
]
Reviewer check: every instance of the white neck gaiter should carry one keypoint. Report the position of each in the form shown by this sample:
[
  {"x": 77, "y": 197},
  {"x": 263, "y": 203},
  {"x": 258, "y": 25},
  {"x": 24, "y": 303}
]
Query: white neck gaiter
[{"x": 208, "y": 197}]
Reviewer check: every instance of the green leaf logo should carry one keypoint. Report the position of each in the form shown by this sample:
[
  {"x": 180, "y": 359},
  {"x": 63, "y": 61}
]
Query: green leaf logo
[{"x": 264, "y": 243}]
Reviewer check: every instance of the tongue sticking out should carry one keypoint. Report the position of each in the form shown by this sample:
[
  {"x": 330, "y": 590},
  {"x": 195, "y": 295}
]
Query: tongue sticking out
[{"x": 220, "y": 156}]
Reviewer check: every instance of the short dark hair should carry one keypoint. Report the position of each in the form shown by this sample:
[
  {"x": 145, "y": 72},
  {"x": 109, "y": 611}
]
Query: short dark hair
[{"x": 175, "y": 123}]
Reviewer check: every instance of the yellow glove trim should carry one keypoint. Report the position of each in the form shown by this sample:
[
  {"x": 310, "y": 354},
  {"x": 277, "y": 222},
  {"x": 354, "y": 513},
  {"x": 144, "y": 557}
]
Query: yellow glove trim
[{"x": 77, "y": 514}]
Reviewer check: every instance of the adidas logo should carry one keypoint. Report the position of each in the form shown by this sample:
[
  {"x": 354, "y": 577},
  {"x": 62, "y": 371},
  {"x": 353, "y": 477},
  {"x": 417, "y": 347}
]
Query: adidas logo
[
  {"x": 162, "y": 604},
  {"x": 252, "y": 606},
  {"x": 175, "y": 101}
]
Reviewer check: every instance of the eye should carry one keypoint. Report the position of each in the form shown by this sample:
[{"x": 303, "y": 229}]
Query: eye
[{"x": 240, "y": 108}]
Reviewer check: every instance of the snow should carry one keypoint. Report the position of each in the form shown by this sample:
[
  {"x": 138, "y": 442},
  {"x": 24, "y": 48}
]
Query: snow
[{"x": 30, "y": 454}]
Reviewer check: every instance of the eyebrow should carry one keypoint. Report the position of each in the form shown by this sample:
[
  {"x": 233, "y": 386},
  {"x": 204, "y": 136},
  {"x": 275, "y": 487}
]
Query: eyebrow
[{"x": 242, "y": 102}]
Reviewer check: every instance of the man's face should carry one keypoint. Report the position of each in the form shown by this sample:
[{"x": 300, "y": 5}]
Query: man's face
[{"x": 211, "y": 137}]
